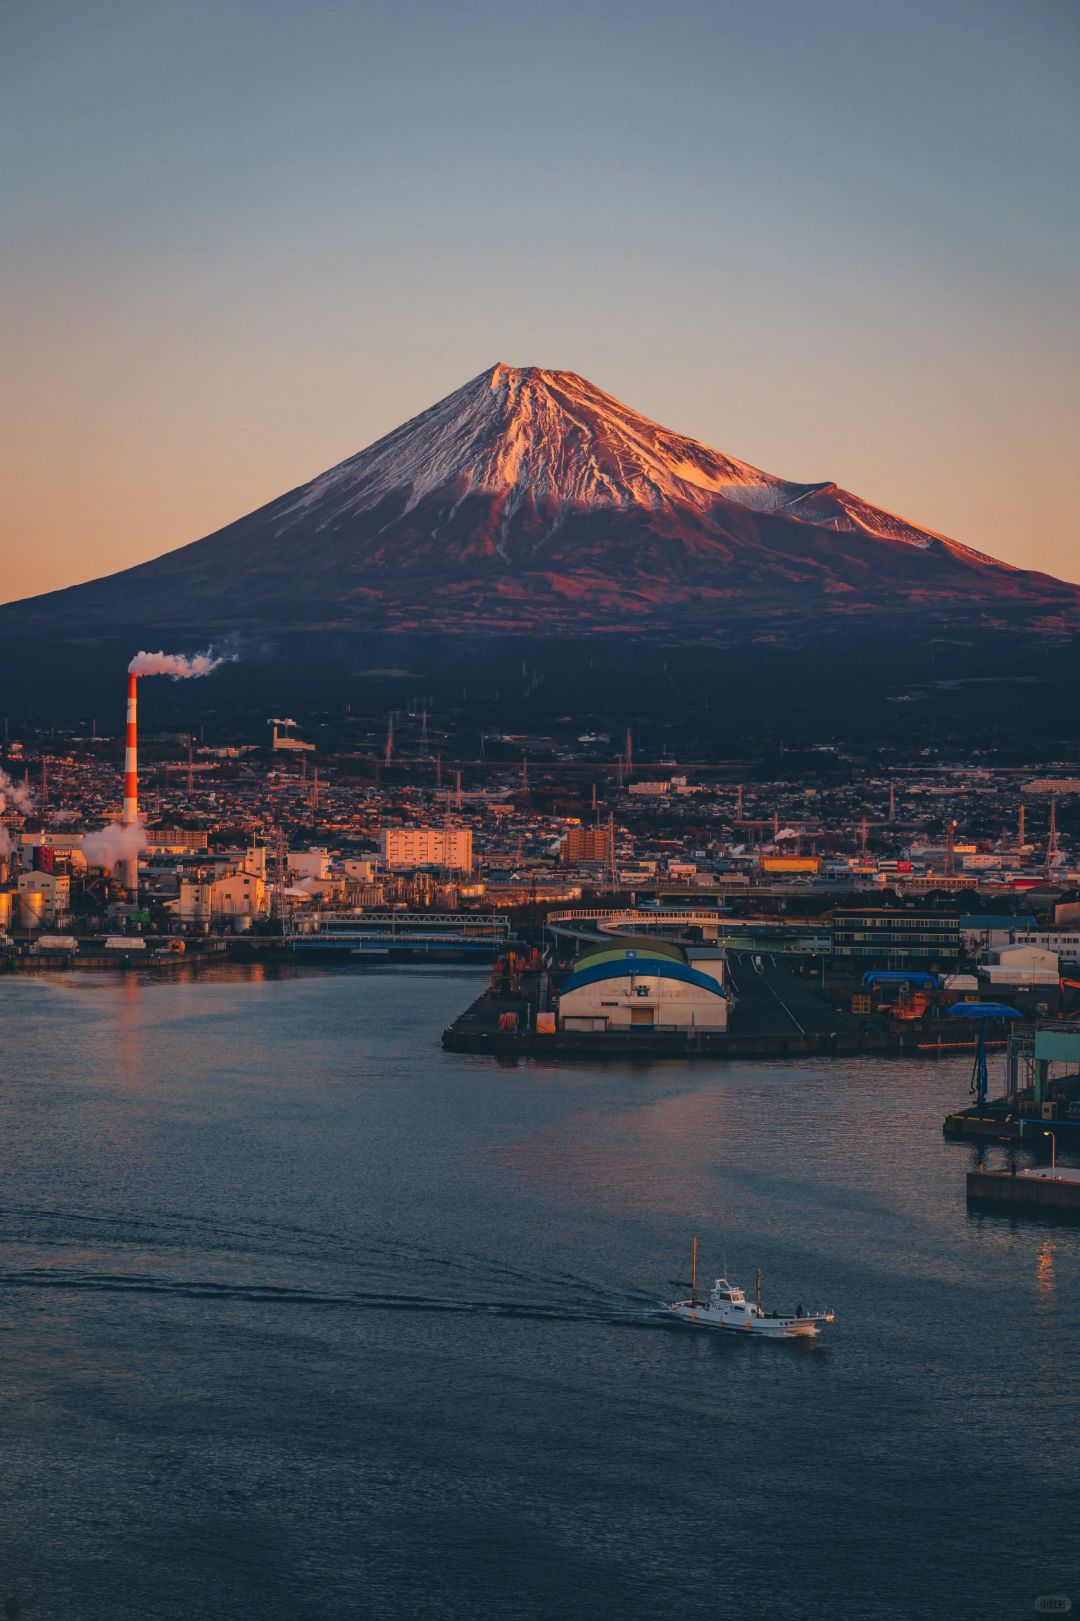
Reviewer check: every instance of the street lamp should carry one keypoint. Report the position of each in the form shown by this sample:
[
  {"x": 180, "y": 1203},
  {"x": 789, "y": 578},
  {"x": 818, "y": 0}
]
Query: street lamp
[{"x": 1053, "y": 1152}]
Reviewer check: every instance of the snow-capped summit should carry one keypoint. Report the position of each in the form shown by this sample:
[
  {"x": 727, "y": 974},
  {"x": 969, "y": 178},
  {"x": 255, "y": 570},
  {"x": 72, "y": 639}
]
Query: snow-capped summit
[{"x": 546, "y": 445}]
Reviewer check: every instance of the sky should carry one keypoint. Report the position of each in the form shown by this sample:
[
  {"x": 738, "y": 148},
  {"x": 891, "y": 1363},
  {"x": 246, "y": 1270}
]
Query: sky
[{"x": 245, "y": 238}]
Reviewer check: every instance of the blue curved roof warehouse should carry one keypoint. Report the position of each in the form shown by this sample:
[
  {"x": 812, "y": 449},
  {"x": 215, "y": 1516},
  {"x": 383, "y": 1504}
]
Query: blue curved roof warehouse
[{"x": 637, "y": 962}]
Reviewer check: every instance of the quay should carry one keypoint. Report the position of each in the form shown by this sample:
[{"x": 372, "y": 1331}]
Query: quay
[
  {"x": 1041, "y": 1189},
  {"x": 782, "y": 1012},
  {"x": 1042, "y": 1091}
]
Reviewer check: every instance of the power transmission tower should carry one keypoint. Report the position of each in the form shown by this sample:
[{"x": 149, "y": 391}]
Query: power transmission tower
[{"x": 613, "y": 860}]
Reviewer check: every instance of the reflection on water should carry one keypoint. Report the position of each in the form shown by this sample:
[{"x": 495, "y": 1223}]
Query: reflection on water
[
  {"x": 1044, "y": 1274},
  {"x": 303, "y": 1317}
]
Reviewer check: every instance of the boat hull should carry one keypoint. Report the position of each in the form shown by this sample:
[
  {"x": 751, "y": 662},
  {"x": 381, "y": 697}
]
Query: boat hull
[{"x": 774, "y": 1328}]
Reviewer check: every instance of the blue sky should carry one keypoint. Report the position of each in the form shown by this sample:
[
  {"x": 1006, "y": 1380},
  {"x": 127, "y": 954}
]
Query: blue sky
[{"x": 836, "y": 239}]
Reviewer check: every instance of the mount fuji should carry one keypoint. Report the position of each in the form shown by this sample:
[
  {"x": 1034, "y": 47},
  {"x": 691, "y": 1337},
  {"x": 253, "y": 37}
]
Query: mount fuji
[
  {"x": 531, "y": 501},
  {"x": 531, "y": 523}
]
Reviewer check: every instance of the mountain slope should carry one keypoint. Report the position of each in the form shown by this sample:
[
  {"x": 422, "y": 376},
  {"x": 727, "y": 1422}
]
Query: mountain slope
[{"x": 529, "y": 501}]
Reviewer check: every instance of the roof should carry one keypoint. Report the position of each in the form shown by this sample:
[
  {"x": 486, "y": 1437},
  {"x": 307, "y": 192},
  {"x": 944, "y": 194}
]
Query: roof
[
  {"x": 620, "y": 965},
  {"x": 999, "y": 920},
  {"x": 634, "y": 945}
]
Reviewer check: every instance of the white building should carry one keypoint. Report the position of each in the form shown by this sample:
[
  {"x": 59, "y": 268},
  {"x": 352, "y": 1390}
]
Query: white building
[
  {"x": 410, "y": 847},
  {"x": 314, "y": 863},
  {"x": 1022, "y": 965},
  {"x": 632, "y": 982}
]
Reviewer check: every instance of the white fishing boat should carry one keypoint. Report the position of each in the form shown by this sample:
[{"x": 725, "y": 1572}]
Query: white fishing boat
[{"x": 725, "y": 1306}]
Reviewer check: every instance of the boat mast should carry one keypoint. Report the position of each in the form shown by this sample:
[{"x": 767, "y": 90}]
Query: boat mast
[
  {"x": 757, "y": 1287},
  {"x": 693, "y": 1273}
]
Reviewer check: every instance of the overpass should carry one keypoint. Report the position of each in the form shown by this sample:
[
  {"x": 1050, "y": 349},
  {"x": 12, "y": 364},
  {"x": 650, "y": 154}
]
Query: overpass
[{"x": 715, "y": 927}]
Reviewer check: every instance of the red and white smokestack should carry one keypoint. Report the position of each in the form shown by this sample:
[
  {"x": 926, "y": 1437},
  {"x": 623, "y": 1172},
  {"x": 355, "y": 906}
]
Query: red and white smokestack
[{"x": 130, "y": 868}]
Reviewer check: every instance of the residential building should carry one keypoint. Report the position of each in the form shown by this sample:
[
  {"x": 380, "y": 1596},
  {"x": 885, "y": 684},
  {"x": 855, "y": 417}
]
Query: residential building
[{"x": 406, "y": 847}]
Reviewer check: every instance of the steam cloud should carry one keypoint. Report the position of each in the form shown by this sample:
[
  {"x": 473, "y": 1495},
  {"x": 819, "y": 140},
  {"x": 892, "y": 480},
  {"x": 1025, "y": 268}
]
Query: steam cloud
[
  {"x": 179, "y": 666},
  {"x": 15, "y": 795},
  {"x": 114, "y": 843}
]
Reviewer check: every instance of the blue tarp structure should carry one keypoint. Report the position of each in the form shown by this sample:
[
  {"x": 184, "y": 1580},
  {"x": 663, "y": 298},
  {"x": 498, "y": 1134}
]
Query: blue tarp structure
[{"x": 983, "y": 1010}]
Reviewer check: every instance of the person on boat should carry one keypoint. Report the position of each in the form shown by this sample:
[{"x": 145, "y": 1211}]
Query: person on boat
[{"x": 800, "y": 1310}]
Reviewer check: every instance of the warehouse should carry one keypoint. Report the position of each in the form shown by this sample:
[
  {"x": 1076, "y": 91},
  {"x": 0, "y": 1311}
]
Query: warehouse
[{"x": 645, "y": 984}]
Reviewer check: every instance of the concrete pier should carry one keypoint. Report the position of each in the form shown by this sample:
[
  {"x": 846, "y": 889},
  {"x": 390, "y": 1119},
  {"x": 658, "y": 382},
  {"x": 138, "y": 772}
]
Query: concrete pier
[{"x": 1039, "y": 1190}]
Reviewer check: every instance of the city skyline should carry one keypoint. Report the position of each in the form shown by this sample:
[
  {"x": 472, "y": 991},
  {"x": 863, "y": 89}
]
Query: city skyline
[{"x": 246, "y": 245}]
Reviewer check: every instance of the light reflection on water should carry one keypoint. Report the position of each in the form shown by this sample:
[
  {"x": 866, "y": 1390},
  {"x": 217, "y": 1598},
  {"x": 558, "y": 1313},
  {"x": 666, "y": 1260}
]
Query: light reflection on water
[{"x": 303, "y": 1316}]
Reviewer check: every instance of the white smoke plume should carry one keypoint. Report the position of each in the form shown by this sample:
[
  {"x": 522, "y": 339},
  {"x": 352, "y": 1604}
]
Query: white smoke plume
[
  {"x": 15, "y": 795},
  {"x": 180, "y": 666},
  {"x": 114, "y": 843}
]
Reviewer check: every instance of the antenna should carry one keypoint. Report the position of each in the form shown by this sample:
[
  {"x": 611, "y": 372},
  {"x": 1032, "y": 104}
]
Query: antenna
[{"x": 388, "y": 754}]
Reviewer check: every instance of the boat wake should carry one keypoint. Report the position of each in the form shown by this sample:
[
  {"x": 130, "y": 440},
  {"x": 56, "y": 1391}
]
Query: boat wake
[{"x": 639, "y": 1311}]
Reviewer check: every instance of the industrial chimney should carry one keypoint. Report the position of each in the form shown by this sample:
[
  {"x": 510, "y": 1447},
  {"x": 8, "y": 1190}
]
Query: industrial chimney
[{"x": 130, "y": 867}]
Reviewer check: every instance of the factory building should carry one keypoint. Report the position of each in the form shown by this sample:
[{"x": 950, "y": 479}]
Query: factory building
[
  {"x": 44, "y": 898},
  {"x": 237, "y": 898},
  {"x": 638, "y": 982},
  {"x": 410, "y": 847}
]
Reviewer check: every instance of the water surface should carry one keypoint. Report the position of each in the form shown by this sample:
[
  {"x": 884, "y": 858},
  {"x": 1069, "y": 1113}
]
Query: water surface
[{"x": 304, "y": 1318}]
